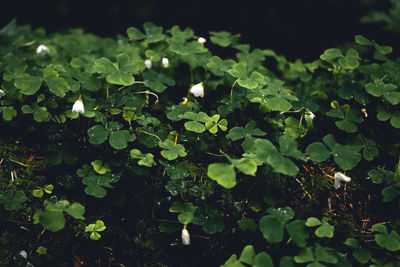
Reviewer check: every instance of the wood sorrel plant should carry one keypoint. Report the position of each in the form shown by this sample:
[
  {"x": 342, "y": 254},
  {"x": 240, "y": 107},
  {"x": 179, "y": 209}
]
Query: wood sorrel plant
[{"x": 232, "y": 147}]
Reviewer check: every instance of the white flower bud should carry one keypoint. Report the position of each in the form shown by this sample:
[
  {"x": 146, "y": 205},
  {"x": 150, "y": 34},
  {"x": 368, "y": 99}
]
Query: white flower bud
[
  {"x": 201, "y": 40},
  {"x": 339, "y": 178},
  {"x": 2, "y": 93},
  {"x": 42, "y": 50},
  {"x": 197, "y": 90},
  {"x": 312, "y": 115},
  {"x": 78, "y": 106},
  {"x": 148, "y": 63},
  {"x": 165, "y": 62},
  {"x": 185, "y": 237}
]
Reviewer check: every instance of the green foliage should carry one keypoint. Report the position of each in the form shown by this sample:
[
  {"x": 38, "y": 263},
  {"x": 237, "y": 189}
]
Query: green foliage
[
  {"x": 13, "y": 200},
  {"x": 52, "y": 218},
  {"x": 290, "y": 126},
  {"x": 248, "y": 256},
  {"x": 94, "y": 229},
  {"x": 95, "y": 183},
  {"x": 40, "y": 191}
]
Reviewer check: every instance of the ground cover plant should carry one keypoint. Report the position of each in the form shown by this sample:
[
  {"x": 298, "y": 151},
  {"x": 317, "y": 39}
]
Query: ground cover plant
[{"x": 163, "y": 148}]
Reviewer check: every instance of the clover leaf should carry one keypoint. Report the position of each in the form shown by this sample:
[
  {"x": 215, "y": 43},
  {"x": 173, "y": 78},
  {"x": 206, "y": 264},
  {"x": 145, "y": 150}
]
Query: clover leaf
[
  {"x": 324, "y": 228},
  {"x": 13, "y": 200},
  {"x": 40, "y": 114},
  {"x": 239, "y": 70},
  {"x": 58, "y": 86},
  {"x": 383, "y": 49},
  {"x": 213, "y": 125},
  {"x": 223, "y": 174},
  {"x": 94, "y": 229},
  {"x": 384, "y": 115},
  {"x": 319, "y": 254},
  {"x": 52, "y": 218},
  {"x": 144, "y": 159},
  {"x": 223, "y": 38},
  {"x": 95, "y": 183},
  {"x": 153, "y": 33},
  {"x": 28, "y": 84},
  {"x": 344, "y": 155},
  {"x": 171, "y": 150},
  {"x": 99, "y": 167},
  {"x": 197, "y": 121},
  {"x": 218, "y": 66},
  {"x": 266, "y": 152},
  {"x": 237, "y": 133},
  {"x": 388, "y": 91},
  {"x": 389, "y": 241},
  {"x": 118, "y": 139},
  {"x": 120, "y": 72},
  {"x": 157, "y": 82},
  {"x": 182, "y": 47},
  {"x": 8, "y": 113},
  {"x": 185, "y": 210}
]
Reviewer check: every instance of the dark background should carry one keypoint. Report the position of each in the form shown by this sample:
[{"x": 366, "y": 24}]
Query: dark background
[{"x": 296, "y": 29}]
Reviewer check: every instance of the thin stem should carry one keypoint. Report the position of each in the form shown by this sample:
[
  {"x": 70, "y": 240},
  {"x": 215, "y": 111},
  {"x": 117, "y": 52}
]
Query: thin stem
[
  {"x": 233, "y": 85},
  {"x": 140, "y": 131},
  {"x": 147, "y": 92}
]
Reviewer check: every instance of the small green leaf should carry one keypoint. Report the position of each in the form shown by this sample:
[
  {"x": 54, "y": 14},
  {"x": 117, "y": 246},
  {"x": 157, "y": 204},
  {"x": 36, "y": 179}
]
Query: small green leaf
[
  {"x": 345, "y": 156},
  {"x": 195, "y": 126},
  {"x": 296, "y": 230},
  {"x": 263, "y": 259},
  {"x": 223, "y": 173},
  {"x": 324, "y": 254},
  {"x": 100, "y": 168},
  {"x": 248, "y": 254},
  {"x": 246, "y": 165},
  {"x": 41, "y": 250},
  {"x": 272, "y": 229},
  {"x": 359, "y": 39},
  {"x": 362, "y": 255},
  {"x": 58, "y": 86},
  {"x": 186, "y": 211},
  {"x": 37, "y": 193},
  {"x": 305, "y": 255},
  {"x": 389, "y": 193},
  {"x": 95, "y": 236},
  {"x": 318, "y": 152},
  {"x": 223, "y": 38},
  {"x": 120, "y": 139},
  {"x": 286, "y": 261},
  {"x": 29, "y": 85},
  {"x": 97, "y": 134},
  {"x": 76, "y": 210},
  {"x": 312, "y": 222},
  {"x": 325, "y": 230},
  {"x": 48, "y": 188},
  {"x": 134, "y": 34},
  {"x": 52, "y": 220},
  {"x": 238, "y": 70}
]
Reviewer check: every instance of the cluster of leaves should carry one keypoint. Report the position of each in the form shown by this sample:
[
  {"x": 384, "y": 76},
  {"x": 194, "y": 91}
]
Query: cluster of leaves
[{"x": 253, "y": 126}]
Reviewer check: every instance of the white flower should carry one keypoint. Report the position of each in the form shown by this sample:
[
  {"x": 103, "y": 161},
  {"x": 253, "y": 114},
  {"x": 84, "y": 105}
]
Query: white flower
[
  {"x": 339, "y": 178},
  {"x": 148, "y": 63},
  {"x": 197, "y": 90},
  {"x": 201, "y": 40},
  {"x": 312, "y": 115},
  {"x": 78, "y": 106},
  {"x": 185, "y": 237},
  {"x": 165, "y": 62},
  {"x": 42, "y": 50},
  {"x": 2, "y": 93}
]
